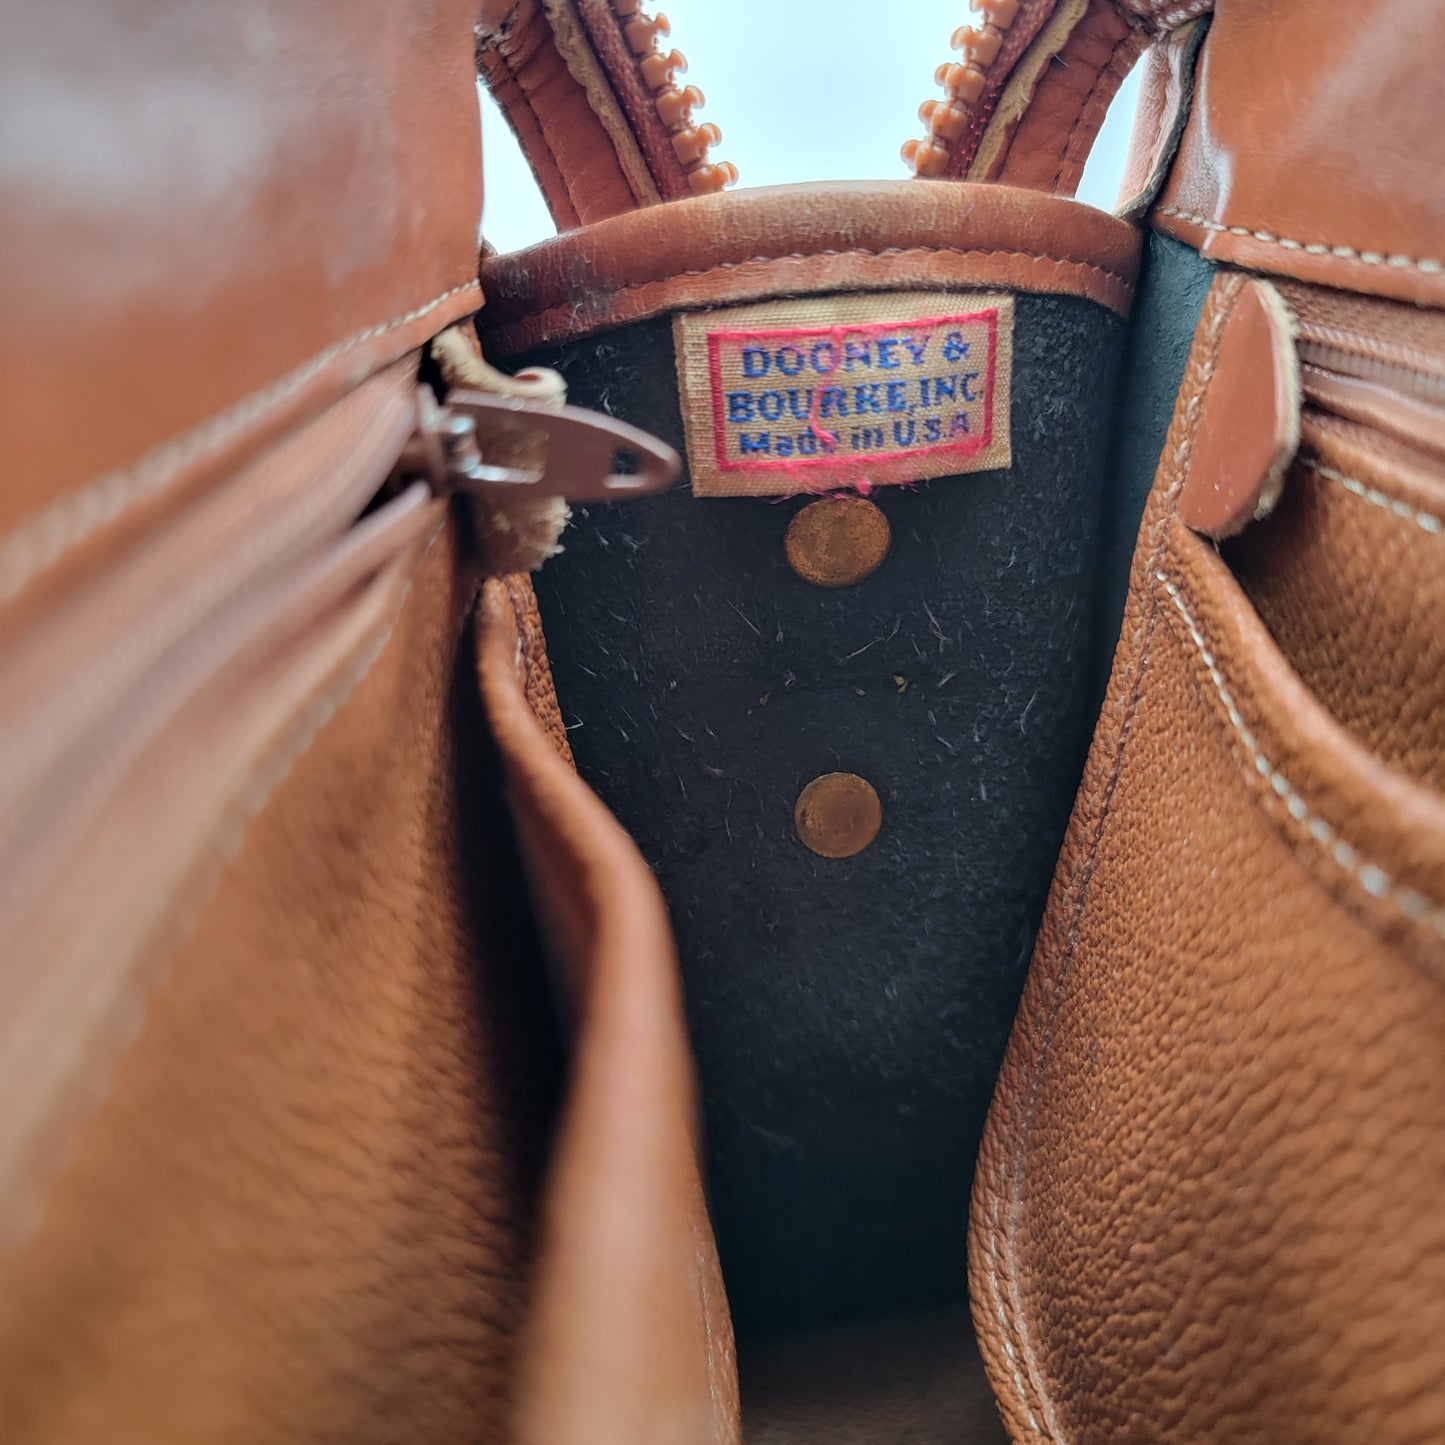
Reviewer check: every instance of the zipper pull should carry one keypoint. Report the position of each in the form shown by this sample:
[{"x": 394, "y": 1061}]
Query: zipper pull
[{"x": 566, "y": 451}]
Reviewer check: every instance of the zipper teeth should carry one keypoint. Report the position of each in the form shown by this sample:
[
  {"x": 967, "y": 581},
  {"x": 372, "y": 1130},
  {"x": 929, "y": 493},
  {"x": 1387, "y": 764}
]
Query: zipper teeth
[
  {"x": 963, "y": 84},
  {"x": 351, "y": 449},
  {"x": 674, "y": 105},
  {"x": 91, "y": 768},
  {"x": 1412, "y": 373}
]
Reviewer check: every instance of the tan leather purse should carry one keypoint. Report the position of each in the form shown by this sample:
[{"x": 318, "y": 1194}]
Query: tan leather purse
[{"x": 415, "y": 1030}]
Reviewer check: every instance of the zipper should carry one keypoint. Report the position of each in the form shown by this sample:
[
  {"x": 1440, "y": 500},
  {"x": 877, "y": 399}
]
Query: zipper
[
  {"x": 1376, "y": 363},
  {"x": 963, "y": 83},
  {"x": 69, "y": 684},
  {"x": 148, "y": 697},
  {"x": 655, "y": 75},
  {"x": 1388, "y": 385},
  {"x": 70, "y": 669}
]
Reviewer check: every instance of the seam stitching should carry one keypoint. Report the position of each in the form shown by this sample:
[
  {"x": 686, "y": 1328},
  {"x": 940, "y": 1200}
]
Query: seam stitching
[
  {"x": 1369, "y": 876},
  {"x": 1425, "y": 521},
  {"x": 1222, "y": 299},
  {"x": 1393, "y": 260},
  {"x": 1106, "y": 72},
  {"x": 888, "y": 252},
  {"x": 39, "y": 541},
  {"x": 515, "y": 76}
]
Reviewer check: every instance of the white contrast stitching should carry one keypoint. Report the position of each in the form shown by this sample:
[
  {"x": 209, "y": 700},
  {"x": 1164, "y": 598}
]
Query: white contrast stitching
[
  {"x": 1218, "y": 307},
  {"x": 995, "y": 1269},
  {"x": 1425, "y": 521},
  {"x": 37, "y": 542},
  {"x": 1313, "y": 248},
  {"x": 1372, "y": 878}
]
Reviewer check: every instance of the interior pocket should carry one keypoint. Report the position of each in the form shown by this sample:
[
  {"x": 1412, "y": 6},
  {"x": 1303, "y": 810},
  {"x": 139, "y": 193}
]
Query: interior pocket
[
  {"x": 1347, "y": 572},
  {"x": 1223, "y": 1095},
  {"x": 1372, "y": 831},
  {"x": 145, "y": 713}
]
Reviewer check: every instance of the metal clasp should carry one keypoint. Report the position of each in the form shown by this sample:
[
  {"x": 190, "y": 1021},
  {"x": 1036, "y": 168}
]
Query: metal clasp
[{"x": 486, "y": 445}]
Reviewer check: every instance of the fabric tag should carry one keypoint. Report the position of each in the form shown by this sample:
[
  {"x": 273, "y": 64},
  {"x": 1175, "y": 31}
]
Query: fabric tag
[{"x": 855, "y": 391}]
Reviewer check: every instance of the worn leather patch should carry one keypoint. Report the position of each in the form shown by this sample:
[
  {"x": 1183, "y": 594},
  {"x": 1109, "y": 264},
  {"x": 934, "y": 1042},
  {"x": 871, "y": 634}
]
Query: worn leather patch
[{"x": 856, "y": 391}]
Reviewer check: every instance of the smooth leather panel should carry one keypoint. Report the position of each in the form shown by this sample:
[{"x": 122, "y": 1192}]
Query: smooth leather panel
[
  {"x": 774, "y": 240},
  {"x": 1316, "y": 145},
  {"x": 216, "y": 216},
  {"x": 629, "y": 1341}
]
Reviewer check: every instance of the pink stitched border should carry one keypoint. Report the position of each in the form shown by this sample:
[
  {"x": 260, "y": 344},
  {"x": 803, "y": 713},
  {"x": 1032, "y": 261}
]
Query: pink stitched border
[{"x": 965, "y": 448}]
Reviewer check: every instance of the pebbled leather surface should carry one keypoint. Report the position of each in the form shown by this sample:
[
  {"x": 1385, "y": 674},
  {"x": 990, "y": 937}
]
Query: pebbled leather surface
[
  {"x": 305, "y": 1209},
  {"x": 1205, "y": 1205},
  {"x": 847, "y": 1014},
  {"x": 1349, "y": 577},
  {"x": 337, "y": 1189}
]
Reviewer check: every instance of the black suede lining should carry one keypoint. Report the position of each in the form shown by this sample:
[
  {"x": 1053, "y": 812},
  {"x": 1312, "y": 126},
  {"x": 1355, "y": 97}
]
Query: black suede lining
[
  {"x": 849, "y": 1016},
  {"x": 1173, "y": 282}
]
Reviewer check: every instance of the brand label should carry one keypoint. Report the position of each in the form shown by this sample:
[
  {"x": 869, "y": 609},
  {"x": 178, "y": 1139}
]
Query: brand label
[{"x": 844, "y": 391}]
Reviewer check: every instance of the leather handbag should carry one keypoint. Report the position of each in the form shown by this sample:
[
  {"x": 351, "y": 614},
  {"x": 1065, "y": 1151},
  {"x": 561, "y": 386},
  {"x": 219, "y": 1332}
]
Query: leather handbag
[{"x": 606, "y": 845}]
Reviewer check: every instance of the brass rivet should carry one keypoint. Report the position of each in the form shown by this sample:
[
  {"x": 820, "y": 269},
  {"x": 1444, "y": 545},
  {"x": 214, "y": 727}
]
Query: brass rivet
[
  {"x": 838, "y": 815},
  {"x": 837, "y": 541}
]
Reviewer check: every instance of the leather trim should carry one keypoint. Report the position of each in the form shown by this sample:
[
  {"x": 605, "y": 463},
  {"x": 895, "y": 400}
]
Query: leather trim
[
  {"x": 795, "y": 240},
  {"x": 537, "y": 681},
  {"x": 544, "y": 76},
  {"x": 1385, "y": 274},
  {"x": 629, "y": 1338},
  {"x": 1314, "y": 152},
  {"x": 1067, "y": 104}
]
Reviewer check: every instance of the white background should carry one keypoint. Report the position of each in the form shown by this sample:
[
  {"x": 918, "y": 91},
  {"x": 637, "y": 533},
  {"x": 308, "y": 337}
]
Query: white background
[{"x": 803, "y": 90}]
